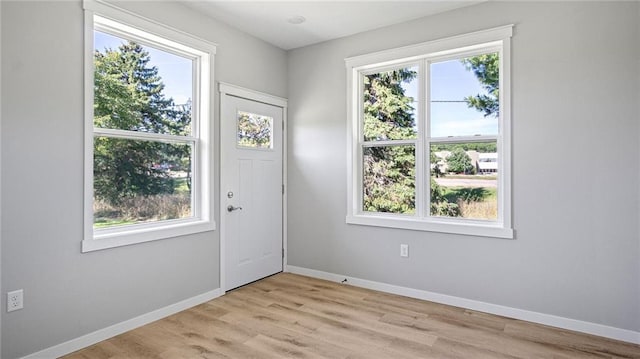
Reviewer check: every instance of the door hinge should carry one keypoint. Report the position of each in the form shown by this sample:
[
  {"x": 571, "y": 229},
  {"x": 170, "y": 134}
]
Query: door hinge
[
  {"x": 282, "y": 252},
  {"x": 282, "y": 189},
  {"x": 282, "y": 125}
]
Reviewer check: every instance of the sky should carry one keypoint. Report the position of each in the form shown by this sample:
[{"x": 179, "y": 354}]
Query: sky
[
  {"x": 175, "y": 71},
  {"x": 451, "y": 81}
]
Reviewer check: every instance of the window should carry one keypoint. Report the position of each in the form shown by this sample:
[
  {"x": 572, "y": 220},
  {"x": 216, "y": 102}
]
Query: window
[
  {"x": 254, "y": 131},
  {"x": 430, "y": 136},
  {"x": 148, "y": 145}
]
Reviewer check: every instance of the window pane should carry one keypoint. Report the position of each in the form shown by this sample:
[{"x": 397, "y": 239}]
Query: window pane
[
  {"x": 254, "y": 131},
  {"x": 464, "y": 180},
  {"x": 464, "y": 99},
  {"x": 138, "y": 181},
  {"x": 140, "y": 88},
  {"x": 390, "y": 103},
  {"x": 389, "y": 179}
]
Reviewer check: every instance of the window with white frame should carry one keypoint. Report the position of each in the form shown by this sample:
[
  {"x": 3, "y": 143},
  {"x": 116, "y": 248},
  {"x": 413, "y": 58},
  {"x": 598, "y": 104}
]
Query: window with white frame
[
  {"x": 148, "y": 151},
  {"x": 430, "y": 136}
]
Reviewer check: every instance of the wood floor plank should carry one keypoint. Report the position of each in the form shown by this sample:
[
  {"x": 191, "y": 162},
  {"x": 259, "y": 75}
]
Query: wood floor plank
[
  {"x": 292, "y": 316},
  {"x": 288, "y": 333},
  {"x": 103, "y": 351},
  {"x": 383, "y": 352},
  {"x": 372, "y": 323},
  {"x": 280, "y": 349},
  {"x": 191, "y": 351},
  {"x": 447, "y": 348},
  {"x": 270, "y": 317},
  {"x": 583, "y": 344},
  {"x": 487, "y": 340}
]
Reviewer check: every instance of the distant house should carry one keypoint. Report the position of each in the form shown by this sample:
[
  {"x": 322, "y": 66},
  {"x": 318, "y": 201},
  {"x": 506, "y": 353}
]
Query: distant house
[
  {"x": 484, "y": 162},
  {"x": 487, "y": 162},
  {"x": 442, "y": 161}
]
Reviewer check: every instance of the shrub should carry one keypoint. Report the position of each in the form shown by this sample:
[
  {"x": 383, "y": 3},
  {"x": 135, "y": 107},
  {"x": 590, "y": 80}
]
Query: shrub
[{"x": 440, "y": 206}]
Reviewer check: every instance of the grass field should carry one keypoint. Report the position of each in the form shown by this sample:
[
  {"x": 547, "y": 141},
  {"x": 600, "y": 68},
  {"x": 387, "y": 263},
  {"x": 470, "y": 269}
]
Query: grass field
[
  {"x": 475, "y": 177},
  {"x": 474, "y": 203},
  {"x": 141, "y": 209}
]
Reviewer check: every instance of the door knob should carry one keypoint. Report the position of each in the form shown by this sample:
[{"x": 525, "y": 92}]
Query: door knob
[{"x": 231, "y": 208}]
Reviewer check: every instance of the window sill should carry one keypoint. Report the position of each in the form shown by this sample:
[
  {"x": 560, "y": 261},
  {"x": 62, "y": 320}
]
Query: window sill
[
  {"x": 127, "y": 235},
  {"x": 442, "y": 226}
]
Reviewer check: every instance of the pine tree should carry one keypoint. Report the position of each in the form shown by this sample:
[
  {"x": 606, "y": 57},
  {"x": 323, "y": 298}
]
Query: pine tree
[
  {"x": 389, "y": 171},
  {"x": 487, "y": 70},
  {"x": 128, "y": 95}
]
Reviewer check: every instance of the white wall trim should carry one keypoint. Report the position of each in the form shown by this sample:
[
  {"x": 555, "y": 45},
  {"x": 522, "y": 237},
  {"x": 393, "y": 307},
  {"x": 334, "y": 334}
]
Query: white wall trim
[
  {"x": 237, "y": 91},
  {"x": 113, "y": 11},
  {"x": 495, "y": 40},
  {"x": 0, "y": 168},
  {"x": 437, "y": 46},
  {"x": 107, "y": 18},
  {"x": 122, "y": 327},
  {"x": 521, "y": 314}
]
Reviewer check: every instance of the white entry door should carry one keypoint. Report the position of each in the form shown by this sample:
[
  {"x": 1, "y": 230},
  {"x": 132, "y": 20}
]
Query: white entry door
[{"x": 251, "y": 189}]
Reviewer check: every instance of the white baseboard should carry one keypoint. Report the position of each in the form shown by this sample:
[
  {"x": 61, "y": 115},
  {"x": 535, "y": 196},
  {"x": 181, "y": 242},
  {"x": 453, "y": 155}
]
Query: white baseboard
[
  {"x": 535, "y": 317},
  {"x": 122, "y": 327}
]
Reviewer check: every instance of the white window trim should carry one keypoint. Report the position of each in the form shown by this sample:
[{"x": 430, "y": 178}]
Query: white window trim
[
  {"x": 117, "y": 20},
  {"x": 422, "y": 53}
]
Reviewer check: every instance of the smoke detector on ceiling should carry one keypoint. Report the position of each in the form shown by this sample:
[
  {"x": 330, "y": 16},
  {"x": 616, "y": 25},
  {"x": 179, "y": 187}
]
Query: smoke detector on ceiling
[{"x": 296, "y": 20}]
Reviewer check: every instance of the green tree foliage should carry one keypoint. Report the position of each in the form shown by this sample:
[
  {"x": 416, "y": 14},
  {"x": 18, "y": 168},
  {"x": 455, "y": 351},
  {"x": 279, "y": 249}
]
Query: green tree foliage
[
  {"x": 128, "y": 95},
  {"x": 440, "y": 205},
  {"x": 389, "y": 179},
  {"x": 388, "y": 113},
  {"x": 487, "y": 70},
  {"x": 389, "y": 171},
  {"x": 481, "y": 147},
  {"x": 459, "y": 162}
]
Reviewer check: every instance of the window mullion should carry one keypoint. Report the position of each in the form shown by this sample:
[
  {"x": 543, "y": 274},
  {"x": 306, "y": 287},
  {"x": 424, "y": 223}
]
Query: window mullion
[
  {"x": 389, "y": 143},
  {"x": 359, "y": 139},
  {"x": 466, "y": 139},
  {"x": 426, "y": 136},
  {"x": 422, "y": 161}
]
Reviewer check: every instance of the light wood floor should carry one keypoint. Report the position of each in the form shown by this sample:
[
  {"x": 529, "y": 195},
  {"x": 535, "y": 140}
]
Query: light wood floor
[{"x": 291, "y": 316}]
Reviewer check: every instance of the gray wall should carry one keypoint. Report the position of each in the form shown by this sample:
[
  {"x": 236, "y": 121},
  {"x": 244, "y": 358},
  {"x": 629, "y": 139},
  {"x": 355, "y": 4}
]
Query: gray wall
[
  {"x": 576, "y": 89},
  {"x": 69, "y": 294},
  {"x": 575, "y": 167}
]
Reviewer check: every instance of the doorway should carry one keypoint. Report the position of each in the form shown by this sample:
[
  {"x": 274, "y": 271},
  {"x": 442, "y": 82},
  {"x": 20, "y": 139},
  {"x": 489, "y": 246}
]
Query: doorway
[{"x": 251, "y": 185}]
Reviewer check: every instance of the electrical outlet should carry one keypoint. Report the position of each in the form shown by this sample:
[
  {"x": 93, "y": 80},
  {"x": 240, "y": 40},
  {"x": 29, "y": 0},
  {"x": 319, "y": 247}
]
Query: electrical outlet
[
  {"x": 15, "y": 300},
  {"x": 404, "y": 250}
]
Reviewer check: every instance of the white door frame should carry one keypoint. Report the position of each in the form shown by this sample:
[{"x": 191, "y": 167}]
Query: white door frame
[{"x": 237, "y": 91}]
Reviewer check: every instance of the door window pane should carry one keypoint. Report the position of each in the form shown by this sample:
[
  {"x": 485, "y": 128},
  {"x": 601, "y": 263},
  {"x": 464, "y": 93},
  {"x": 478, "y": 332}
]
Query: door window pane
[
  {"x": 389, "y": 177},
  {"x": 254, "y": 131},
  {"x": 464, "y": 180}
]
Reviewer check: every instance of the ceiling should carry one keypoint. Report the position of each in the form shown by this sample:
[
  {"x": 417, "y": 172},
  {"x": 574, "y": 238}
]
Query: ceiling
[{"x": 323, "y": 20}]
